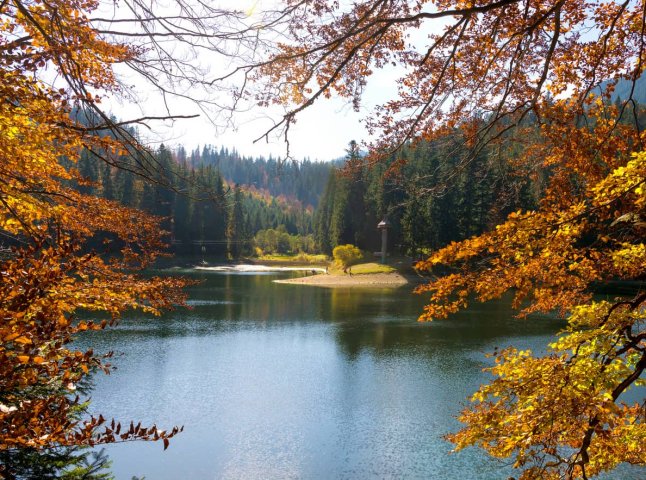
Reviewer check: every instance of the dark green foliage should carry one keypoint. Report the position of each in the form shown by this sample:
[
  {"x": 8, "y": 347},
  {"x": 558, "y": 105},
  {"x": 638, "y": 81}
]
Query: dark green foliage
[
  {"x": 347, "y": 208},
  {"x": 182, "y": 208},
  {"x": 443, "y": 192},
  {"x": 192, "y": 195},
  {"x": 191, "y": 192},
  {"x": 323, "y": 217},
  {"x": 303, "y": 181},
  {"x": 89, "y": 169},
  {"x": 214, "y": 211},
  {"x": 106, "y": 180},
  {"x": 237, "y": 235},
  {"x": 62, "y": 463}
]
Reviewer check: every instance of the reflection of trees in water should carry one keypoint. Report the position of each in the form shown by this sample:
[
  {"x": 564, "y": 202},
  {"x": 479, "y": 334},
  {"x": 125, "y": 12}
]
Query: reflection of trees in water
[
  {"x": 381, "y": 322},
  {"x": 257, "y": 299},
  {"x": 272, "y": 303},
  {"x": 228, "y": 298},
  {"x": 390, "y": 328}
]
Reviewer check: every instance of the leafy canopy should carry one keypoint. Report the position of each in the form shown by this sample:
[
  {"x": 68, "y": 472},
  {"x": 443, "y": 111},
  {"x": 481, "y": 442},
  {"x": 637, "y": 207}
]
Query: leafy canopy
[
  {"x": 522, "y": 78},
  {"x": 51, "y": 281}
]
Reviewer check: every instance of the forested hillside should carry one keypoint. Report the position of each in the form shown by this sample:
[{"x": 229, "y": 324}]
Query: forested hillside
[
  {"x": 625, "y": 90},
  {"x": 303, "y": 180},
  {"x": 437, "y": 196},
  {"x": 434, "y": 194},
  {"x": 211, "y": 202}
]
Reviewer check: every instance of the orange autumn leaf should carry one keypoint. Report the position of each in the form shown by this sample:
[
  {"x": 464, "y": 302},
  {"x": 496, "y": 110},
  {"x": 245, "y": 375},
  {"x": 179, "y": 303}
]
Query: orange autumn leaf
[
  {"x": 532, "y": 80},
  {"x": 50, "y": 278}
]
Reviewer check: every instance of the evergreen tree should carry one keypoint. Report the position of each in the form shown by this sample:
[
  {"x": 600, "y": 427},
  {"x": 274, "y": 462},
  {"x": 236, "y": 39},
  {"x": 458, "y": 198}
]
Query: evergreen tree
[
  {"x": 214, "y": 211},
  {"x": 89, "y": 170},
  {"x": 182, "y": 207},
  {"x": 235, "y": 227},
  {"x": 107, "y": 183}
]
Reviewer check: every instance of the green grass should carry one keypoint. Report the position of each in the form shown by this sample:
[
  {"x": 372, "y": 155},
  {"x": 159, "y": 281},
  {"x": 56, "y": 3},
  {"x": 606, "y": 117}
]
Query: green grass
[
  {"x": 318, "y": 259},
  {"x": 366, "y": 268},
  {"x": 323, "y": 260}
]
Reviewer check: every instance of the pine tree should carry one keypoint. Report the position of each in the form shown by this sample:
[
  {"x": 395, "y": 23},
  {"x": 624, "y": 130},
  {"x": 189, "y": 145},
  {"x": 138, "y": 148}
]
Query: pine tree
[{"x": 235, "y": 227}]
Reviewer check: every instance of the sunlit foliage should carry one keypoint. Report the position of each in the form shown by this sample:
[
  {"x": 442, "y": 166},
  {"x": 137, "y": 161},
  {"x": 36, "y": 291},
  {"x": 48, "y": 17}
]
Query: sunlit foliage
[
  {"x": 346, "y": 256},
  {"x": 51, "y": 61},
  {"x": 531, "y": 80}
]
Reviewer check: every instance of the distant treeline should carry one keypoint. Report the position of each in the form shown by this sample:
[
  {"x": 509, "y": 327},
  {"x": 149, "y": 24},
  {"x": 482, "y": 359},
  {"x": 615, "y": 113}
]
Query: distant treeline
[
  {"x": 303, "y": 180},
  {"x": 431, "y": 195},
  {"x": 204, "y": 198}
]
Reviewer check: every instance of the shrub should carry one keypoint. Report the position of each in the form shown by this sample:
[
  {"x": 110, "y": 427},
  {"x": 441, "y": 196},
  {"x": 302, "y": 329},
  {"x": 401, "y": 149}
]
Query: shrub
[{"x": 347, "y": 255}]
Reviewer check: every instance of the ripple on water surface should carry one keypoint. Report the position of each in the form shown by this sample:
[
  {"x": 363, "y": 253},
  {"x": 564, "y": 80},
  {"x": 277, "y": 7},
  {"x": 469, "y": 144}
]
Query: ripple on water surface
[{"x": 279, "y": 381}]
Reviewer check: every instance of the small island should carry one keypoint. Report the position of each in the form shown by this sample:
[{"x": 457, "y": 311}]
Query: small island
[
  {"x": 364, "y": 275},
  {"x": 392, "y": 279}
]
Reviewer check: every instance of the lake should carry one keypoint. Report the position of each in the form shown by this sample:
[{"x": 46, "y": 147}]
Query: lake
[{"x": 275, "y": 381}]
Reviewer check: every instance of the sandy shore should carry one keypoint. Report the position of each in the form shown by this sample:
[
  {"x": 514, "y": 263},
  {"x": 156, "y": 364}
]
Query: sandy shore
[{"x": 374, "y": 280}]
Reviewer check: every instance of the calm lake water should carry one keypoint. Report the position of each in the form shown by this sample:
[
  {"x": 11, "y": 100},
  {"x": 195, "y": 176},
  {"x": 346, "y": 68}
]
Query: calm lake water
[{"x": 275, "y": 381}]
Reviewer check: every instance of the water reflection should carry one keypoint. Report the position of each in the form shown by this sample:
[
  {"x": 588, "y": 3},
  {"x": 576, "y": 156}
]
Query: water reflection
[{"x": 283, "y": 381}]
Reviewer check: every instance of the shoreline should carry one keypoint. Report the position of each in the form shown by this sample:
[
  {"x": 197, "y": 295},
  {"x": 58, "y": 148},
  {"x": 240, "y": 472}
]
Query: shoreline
[
  {"x": 252, "y": 268},
  {"x": 367, "y": 280}
]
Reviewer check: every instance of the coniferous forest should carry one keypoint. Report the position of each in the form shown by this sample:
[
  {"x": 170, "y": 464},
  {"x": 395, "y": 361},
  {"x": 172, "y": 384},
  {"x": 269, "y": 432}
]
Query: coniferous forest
[{"x": 216, "y": 201}]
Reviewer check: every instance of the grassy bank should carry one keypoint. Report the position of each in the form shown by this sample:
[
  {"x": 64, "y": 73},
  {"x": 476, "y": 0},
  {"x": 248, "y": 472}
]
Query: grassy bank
[
  {"x": 398, "y": 264},
  {"x": 364, "y": 269},
  {"x": 298, "y": 259}
]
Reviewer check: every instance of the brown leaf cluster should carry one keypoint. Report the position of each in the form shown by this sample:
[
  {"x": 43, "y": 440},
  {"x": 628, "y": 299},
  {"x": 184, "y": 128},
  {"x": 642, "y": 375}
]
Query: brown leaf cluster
[{"x": 51, "y": 280}]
